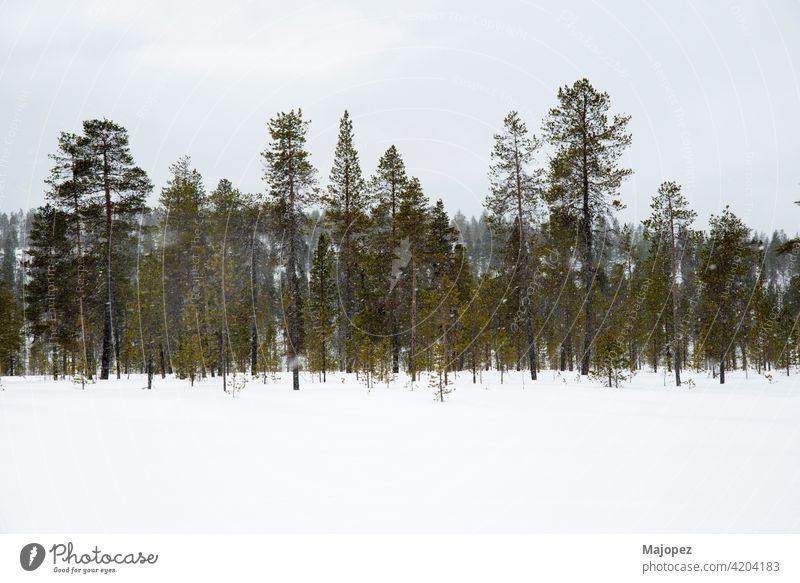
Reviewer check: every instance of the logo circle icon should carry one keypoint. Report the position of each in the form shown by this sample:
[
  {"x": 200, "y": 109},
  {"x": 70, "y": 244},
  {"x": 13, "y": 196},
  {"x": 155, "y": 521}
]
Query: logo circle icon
[{"x": 31, "y": 556}]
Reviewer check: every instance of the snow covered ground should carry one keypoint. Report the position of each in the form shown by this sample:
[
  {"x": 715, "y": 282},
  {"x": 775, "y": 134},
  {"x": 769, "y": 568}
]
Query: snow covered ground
[{"x": 552, "y": 456}]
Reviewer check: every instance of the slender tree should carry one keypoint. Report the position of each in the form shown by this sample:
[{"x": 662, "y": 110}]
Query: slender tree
[
  {"x": 412, "y": 224},
  {"x": 387, "y": 186},
  {"x": 512, "y": 204},
  {"x": 670, "y": 221},
  {"x": 346, "y": 212},
  {"x": 439, "y": 255},
  {"x": 291, "y": 180},
  {"x": 322, "y": 306},
  {"x": 585, "y": 173}
]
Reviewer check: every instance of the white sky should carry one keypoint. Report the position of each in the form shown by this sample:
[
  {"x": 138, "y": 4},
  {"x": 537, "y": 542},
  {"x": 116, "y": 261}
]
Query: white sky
[{"x": 713, "y": 88}]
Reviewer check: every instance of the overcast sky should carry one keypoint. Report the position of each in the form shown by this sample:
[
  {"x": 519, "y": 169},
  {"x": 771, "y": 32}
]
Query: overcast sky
[{"x": 712, "y": 87}]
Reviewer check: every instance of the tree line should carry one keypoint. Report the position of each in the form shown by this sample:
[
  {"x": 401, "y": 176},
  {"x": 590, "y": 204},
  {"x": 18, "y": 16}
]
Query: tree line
[{"x": 369, "y": 275}]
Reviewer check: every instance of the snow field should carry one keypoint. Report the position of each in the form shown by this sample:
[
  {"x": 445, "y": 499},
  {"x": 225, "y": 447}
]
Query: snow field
[{"x": 555, "y": 456}]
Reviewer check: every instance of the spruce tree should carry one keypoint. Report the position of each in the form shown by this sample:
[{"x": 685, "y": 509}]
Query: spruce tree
[{"x": 346, "y": 212}]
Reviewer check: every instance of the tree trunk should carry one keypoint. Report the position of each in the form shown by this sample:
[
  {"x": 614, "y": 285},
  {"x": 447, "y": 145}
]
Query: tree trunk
[
  {"x": 108, "y": 323},
  {"x": 81, "y": 281},
  {"x": 589, "y": 303},
  {"x": 588, "y": 266},
  {"x": 474, "y": 367},
  {"x": 253, "y": 350},
  {"x": 394, "y": 331},
  {"x": 522, "y": 262},
  {"x": 324, "y": 359},
  {"x": 445, "y": 347},
  {"x": 413, "y": 346},
  {"x": 675, "y": 327}
]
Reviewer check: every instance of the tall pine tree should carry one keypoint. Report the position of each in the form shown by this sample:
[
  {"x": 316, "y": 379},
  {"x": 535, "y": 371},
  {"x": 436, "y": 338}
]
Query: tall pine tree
[
  {"x": 512, "y": 205},
  {"x": 585, "y": 174},
  {"x": 120, "y": 188},
  {"x": 291, "y": 181}
]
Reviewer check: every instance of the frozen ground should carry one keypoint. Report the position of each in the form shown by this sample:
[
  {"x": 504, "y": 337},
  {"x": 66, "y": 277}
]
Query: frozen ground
[{"x": 553, "y": 456}]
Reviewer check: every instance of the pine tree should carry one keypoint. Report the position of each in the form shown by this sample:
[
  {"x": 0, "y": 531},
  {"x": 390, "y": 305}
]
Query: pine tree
[
  {"x": 188, "y": 356},
  {"x": 290, "y": 180},
  {"x": 51, "y": 286},
  {"x": 184, "y": 259},
  {"x": 558, "y": 282},
  {"x": 69, "y": 192},
  {"x": 671, "y": 218},
  {"x": 387, "y": 186},
  {"x": 228, "y": 231},
  {"x": 8, "y": 267},
  {"x": 439, "y": 256},
  {"x": 11, "y": 337},
  {"x": 438, "y": 380},
  {"x": 612, "y": 364},
  {"x": 373, "y": 339},
  {"x": 322, "y": 306},
  {"x": 147, "y": 311},
  {"x": 8, "y": 281},
  {"x": 463, "y": 332},
  {"x": 585, "y": 173},
  {"x": 121, "y": 187},
  {"x": 512, "y": 205},
  {"x": 412, "y": 219},
  {"x": 790, "y": 244},
  {"x": 723, "y": 269}
]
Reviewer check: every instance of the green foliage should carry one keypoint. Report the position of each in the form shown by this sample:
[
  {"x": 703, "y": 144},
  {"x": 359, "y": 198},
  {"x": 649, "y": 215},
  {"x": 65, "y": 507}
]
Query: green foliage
[
  {"x": 585, "y": 175},
  {"x": 11, "y": 339},
  {"x": 322, "y": 308},
  {"x": 291, "y": 181},
  {"x": 725, "y": 261},
  {"x": 438, "y": 380},
  {"x": 227, "y": 283}
]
